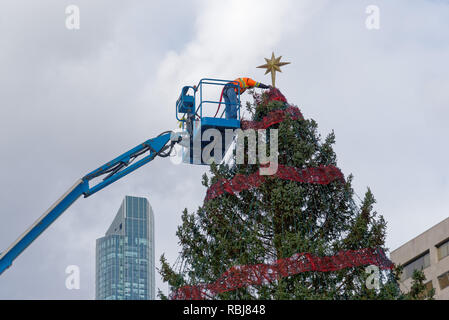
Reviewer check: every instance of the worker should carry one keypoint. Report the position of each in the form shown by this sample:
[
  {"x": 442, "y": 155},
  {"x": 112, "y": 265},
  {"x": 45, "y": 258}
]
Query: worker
[{"x": 230, "y": 94}]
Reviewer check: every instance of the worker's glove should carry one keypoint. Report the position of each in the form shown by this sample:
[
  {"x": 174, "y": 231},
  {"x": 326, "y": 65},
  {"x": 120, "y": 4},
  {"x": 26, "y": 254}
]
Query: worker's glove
[{"x": 263, "y": 86}]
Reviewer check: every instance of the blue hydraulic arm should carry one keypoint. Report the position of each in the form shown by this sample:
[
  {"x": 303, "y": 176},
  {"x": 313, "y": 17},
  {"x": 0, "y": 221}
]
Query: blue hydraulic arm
[{"x": 108, "y": 173}]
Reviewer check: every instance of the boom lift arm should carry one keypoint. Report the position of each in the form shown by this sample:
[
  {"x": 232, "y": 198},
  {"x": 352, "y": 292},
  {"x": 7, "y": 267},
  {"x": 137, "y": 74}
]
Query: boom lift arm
[
  {"x": 110, "y": 172},
  {"x": 190, "y": 106}
]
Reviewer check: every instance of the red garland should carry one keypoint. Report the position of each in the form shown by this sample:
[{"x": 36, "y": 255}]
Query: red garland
[
  {"x": 275, "y": 116},
  {"x": 317, "y": 175},
  {"x": 273, "y": 94},
  {"x": 272, "y": 118},
  {"x": 269, "y": 95},
  {"x": 250, "y": 275}
]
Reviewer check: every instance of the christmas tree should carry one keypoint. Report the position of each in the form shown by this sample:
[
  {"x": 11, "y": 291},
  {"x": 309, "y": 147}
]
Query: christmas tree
[{"x": 296, "y": 234}]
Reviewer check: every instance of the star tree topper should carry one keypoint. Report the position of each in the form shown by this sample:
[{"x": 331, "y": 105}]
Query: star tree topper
[{"x": 273, "y": 65}]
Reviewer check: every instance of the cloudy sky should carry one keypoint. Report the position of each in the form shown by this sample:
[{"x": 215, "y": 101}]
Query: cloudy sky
[{"x": 71, "y": 100}]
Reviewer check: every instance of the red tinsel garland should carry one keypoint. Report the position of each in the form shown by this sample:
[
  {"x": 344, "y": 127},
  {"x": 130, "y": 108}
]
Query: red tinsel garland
[
  {"x": 272, "y": 118},
  {"x": 318, "y": 175},
  {"x": 274, "y": 94},
  {"x": 246, "y": 275}
]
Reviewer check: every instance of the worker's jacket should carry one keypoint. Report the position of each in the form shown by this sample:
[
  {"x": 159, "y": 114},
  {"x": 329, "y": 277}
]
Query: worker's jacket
[{"x": 245, "y": 83}]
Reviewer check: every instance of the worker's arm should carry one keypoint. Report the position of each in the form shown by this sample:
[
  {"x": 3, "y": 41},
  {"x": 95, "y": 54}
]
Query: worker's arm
[
  {"x": 263, "y": 86},
  {"x": 252, "y": 83}
]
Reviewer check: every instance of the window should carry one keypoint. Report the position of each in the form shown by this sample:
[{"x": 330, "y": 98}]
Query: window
[
  {"x": 443, "y": 250},
  {"x": 443, "y": 280},
  {"x": 418, "y": 263},
  {"x": 427, "y": 289}
]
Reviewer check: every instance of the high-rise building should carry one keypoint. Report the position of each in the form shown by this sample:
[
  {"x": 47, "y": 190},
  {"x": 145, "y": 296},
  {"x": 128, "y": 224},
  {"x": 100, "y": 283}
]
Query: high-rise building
[
  {"x": 125, "y": 267},
  {"x": 428, "y": 252}
]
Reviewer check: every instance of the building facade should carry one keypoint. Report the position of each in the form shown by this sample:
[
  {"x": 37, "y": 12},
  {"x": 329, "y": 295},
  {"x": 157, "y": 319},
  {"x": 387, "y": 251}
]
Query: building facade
[
  {"x": 125, "y": 268},
  {"x": 428, "y": 252}
]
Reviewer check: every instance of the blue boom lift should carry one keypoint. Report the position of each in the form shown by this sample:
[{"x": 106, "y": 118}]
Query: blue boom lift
[{"x": 195, "y": 121}]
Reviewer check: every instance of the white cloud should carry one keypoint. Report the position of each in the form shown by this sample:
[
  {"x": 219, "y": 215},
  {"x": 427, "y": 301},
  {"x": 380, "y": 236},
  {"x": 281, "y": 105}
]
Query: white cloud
[{"x": 230, "y": 38}]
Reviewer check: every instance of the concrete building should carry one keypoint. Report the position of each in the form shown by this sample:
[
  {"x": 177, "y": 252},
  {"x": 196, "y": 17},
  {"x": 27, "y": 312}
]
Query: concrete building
[
  {"x": 125, "y": 268},
  {"x": 429, "y": 252}
]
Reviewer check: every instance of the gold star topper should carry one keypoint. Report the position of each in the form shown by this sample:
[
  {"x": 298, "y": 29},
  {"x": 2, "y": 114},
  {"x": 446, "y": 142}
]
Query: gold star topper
[{"x": 273, "y": 65}]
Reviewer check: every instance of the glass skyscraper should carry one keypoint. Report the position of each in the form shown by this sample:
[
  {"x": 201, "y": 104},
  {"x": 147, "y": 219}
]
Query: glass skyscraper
[{"x": 125, "y": 267}]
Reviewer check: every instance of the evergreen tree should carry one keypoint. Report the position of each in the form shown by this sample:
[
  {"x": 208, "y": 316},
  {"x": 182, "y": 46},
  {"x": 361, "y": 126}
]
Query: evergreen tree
[{"x": 280, "y": 218}]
